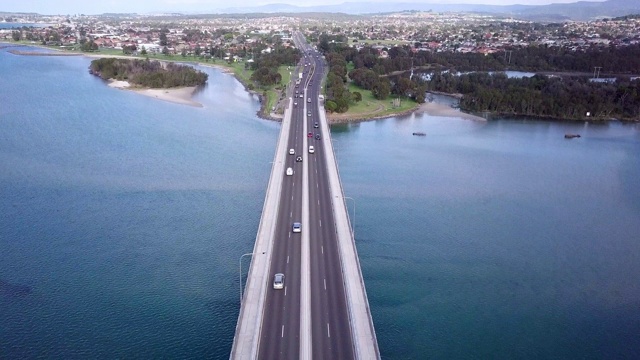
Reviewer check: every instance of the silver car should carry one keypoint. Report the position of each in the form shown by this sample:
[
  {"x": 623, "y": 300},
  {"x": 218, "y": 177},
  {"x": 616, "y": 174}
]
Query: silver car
[{"x": 278, "y": 281}]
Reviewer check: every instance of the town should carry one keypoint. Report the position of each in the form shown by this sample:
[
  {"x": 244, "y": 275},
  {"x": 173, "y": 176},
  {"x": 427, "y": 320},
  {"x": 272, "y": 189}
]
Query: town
[{"x": 236, "y": 37}]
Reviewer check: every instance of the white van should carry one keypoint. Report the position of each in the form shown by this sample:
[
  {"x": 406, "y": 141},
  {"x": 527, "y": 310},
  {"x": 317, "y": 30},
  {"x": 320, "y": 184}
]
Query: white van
[
  {"x": 289, "y": 171},
  {"x": 311, "y": 149}
]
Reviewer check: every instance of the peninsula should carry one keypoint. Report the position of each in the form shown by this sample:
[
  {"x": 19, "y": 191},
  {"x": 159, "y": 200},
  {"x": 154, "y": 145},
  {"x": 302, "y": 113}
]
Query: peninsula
[{"x": 163, "y": 80}]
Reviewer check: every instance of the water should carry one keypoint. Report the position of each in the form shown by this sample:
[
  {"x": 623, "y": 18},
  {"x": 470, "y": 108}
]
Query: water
[
  {"x": 497, "y": 239},
  {"x": 123, "y": 219},
  {"x": 124, "y": 215}
]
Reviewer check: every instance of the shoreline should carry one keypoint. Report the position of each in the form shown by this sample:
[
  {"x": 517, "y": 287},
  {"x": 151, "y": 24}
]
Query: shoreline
[
  {"x": 184, "y": 96},
  {"x": 181, "y": 95}
]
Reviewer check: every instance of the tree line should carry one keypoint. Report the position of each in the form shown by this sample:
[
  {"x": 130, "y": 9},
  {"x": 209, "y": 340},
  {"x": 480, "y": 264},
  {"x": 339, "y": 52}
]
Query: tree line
[
  {"x": 572, "y": 98},
  {"x": 265, "y": 66},
  {"x": 367, "y": 74},
  {"x": 152, "y": 74}
]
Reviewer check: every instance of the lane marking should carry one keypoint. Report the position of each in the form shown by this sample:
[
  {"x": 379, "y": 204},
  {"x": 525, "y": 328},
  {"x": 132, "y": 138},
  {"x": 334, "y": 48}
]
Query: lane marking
[
  {"x": 282, "y": 333},
  {"x": 328, "y": 332},
  {"x": 318, "y": 202},
  {"x": 285, "y": 290},
  {"x": 291, "y": 197},
  {"x": 320, "y": 222},
  {"x": 322, "y": 249},
  {"x": 287, "y": 259},
  {"x": 291, "y": 214},
  {"x": 325, "y": 286}
]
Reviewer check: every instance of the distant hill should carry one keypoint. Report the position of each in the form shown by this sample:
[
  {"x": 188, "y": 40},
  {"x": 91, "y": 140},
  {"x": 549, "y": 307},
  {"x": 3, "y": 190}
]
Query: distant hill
[{"x": 582, "y": 10}]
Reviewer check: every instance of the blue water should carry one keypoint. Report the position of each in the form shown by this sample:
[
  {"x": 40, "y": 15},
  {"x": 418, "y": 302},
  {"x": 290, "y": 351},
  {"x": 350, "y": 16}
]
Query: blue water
[
  {"x": 123, "y": 214},
  {"x": 124, "y": 217},
  {"x": 497, "y": 239}
]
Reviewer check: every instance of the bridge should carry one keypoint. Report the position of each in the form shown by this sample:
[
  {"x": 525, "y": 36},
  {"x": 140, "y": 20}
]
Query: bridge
[{"x": 321, "y": 311}]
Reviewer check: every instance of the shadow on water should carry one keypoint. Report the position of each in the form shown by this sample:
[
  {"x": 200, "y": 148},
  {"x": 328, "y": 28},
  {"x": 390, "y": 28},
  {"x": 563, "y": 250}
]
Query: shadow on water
[{"x": 9, "y": 290}]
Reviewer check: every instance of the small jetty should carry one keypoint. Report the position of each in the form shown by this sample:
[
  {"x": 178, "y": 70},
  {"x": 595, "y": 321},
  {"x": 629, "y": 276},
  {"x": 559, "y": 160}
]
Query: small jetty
[
  {"x": 423, "y": 134},
  {"x": 571, "y": 136}
]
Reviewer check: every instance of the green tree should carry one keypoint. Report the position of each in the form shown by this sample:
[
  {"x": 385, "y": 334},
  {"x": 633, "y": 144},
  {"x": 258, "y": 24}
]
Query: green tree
[
  {"x": 165, "y": 51},
  {"x": 16, "y": 35},
  {"x": 356, "y": 96},
  {"x": 143, "y": 51},
  {"x": 163, "y": 39},
  {"x": 330, "y": 105}
]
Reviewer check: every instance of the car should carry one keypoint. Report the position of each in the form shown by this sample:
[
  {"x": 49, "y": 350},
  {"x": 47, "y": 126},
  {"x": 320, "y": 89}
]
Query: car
[
  {"x": 315, "y": 125},
  {"x": 299, "y": 159},
  {"x": 311, "y": 149},
  {"x": 317, "y": 136},
  {"x": 301, "y": 96},
  {"x": 295, "y": 103},
  {"x": 278, "y": 281},
  {"x": 292, "y": 152},
  {"x": 310, "y": 134},
  {"x": 308, "y": 100},
  {"x": 296, "y": 92},
  {"x": 308, "y": 113},
  {"x": 289, "y": 171},
  {"x": 296, "y": 228}
]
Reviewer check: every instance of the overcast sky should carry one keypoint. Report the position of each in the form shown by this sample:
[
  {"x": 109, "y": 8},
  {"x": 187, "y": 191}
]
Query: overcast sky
[{"x": 146, "y": 6}]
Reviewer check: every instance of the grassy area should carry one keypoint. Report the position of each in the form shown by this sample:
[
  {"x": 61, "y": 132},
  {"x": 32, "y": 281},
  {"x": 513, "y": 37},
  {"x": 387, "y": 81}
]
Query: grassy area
[{"x": 370, "y": 106}]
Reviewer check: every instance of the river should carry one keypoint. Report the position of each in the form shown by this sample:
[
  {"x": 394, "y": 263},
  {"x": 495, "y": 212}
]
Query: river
[{"x": 124, "y": 218}]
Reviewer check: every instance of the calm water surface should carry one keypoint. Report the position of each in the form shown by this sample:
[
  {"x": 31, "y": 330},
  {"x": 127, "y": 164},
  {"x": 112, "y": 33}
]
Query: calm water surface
[{"x": 123, "y": 218}]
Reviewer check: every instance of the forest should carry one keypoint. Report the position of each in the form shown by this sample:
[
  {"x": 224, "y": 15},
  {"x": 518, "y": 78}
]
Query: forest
[
  {"x": 553, "y": 97},
  {"x": 146, "y": 73}
]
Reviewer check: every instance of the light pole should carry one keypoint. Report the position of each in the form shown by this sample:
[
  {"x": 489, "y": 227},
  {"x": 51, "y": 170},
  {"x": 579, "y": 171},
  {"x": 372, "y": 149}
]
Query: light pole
[
  {"x": 240, "y": 273},
  {"x": 353, "y": 226}
]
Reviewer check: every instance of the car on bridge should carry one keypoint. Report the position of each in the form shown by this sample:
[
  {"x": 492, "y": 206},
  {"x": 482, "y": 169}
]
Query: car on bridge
[
  {"x": 317, "y": 136},
  {"x": 289, "y": 171},
  {"x": 278, "y": 281},
  {"x": 311, "y": 149},
  {"x": 297, "y": 227},
  {"x": 299, "y": 159},
  {"x": 292, "y": 152},
  {"x": 310, "y": 134},
  {"x": 315, "y": 125}
]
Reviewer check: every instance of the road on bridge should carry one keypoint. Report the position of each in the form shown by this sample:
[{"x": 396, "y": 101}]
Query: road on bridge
[{"x": 310, "y": 260}]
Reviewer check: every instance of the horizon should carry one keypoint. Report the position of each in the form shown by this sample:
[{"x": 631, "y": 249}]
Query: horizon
[{"x": 69, "y": 7}]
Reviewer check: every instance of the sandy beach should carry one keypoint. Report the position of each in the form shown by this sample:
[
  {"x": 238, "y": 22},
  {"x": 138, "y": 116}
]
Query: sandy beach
[
  {"x": 178, "y": 95},
  {"x": 444, "y": 110}
]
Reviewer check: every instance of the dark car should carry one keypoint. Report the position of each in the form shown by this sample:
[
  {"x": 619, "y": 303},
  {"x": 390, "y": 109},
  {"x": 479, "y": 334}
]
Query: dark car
[
  {"x": 299, "y": 159},
  {"x": 315, "y": 125},
  {"x": 310, "y": 134},
  {"x": 317, "y": 136}
]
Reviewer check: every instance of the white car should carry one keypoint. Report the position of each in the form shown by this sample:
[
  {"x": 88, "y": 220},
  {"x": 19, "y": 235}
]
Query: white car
[
  {"x": 289, "y": 171},
  {"x": 297, "y": 227},
  {"x": 292, "y": 152},
  {"x": 278, "y": 281},
  {"x": 311, "y": 150}
]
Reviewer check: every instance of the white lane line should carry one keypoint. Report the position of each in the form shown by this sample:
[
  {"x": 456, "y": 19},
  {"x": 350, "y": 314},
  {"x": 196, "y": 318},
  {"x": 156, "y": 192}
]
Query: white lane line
[
  {"x": 318, "y": 202},
  {"x": 322, "y": 249},
  {"x": 318, "y": 185},
  {"x": 291, "y": 197},
  {"x": 291, "y": 214},
  {"x": 289, "y": 235},
  {"x": 285, "y": 290},
  {"x": 320, "y": 222},
  {"x": 287, "y": 259},
  {"x": 325, "y": 286},
  {"x": 328, "y": 332},
  {"x": 282, "y": 333}
]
